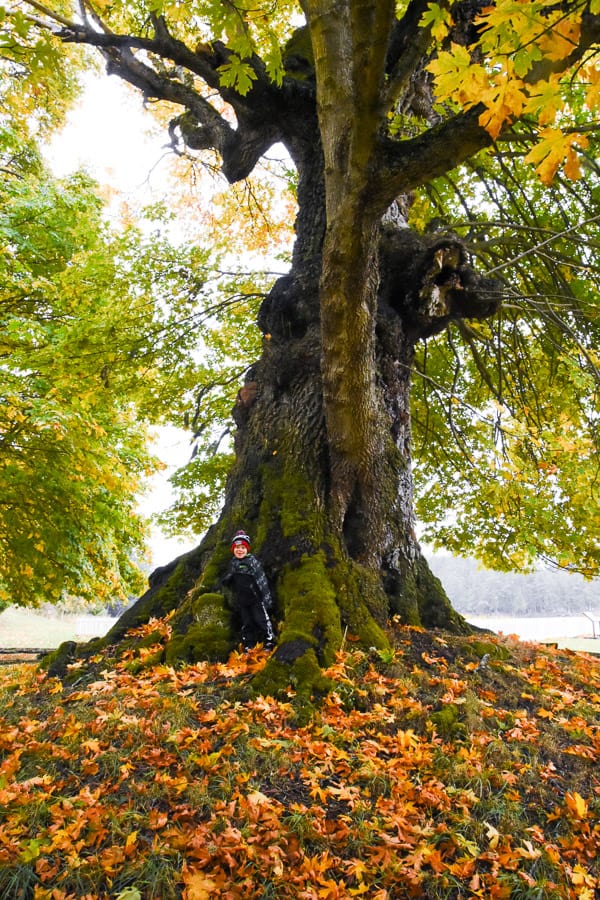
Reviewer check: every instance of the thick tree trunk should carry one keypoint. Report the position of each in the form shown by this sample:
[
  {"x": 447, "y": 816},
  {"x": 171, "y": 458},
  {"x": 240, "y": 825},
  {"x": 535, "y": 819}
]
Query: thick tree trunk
[
  {"x": 330, "y": 579},
  {"x": 323, "y": 477},
  {"x": 333, "y": 577}
]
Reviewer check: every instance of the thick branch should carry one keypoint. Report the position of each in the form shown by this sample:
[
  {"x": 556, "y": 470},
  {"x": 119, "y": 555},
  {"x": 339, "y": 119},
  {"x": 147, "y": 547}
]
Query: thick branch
[
  {"x": 405, "y": 165},
  {"x": 408, "y": 44},
  {"x": 258, "y": 122},
  {"x": 54, "y": 16}
]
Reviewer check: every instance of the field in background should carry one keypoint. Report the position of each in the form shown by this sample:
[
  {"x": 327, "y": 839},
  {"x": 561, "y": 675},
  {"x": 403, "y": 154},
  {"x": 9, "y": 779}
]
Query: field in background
[{"x": 24, "y": 628}]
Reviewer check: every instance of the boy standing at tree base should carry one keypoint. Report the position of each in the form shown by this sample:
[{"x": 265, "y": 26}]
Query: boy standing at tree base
[{"x": 247, "y": 578}]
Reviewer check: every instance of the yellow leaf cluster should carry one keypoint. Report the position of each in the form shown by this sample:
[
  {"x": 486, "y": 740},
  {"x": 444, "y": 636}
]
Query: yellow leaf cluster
[
  {"x": 505, "y": 102},
  {"x": 553, "y": 149},
  {"x": 558, "y": 43},
  {"x": 522, "y": 66}
]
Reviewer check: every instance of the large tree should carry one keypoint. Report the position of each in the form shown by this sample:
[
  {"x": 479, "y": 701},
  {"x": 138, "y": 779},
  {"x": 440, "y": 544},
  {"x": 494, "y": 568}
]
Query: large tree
[{"x": 323, "y": 476}]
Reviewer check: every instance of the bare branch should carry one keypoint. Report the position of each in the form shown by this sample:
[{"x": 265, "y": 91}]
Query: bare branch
[
  {"x": 56, "y": 17},
  {"x": 535, "y": 249}
]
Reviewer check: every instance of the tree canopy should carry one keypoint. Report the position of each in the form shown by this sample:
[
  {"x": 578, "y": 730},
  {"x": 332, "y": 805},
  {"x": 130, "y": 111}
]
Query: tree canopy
[
  {"x": 519, "y": 78},
  {"x": 441, "y": 300},
  {"x": 71, "y": 454}
]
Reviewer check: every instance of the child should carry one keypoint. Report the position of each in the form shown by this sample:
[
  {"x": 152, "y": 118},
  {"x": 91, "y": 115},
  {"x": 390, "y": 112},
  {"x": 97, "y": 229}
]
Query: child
[{"x": 252, "y": 595}]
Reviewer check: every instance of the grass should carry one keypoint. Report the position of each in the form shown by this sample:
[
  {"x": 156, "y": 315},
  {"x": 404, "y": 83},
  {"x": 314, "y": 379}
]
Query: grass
[
  {"x": 20, "y": 628},
  {"x": 421, "y": 775}
]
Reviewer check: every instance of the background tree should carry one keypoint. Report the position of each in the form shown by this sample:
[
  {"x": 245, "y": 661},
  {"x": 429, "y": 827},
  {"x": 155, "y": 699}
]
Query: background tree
[
  {"x": 96, "y": 340},
  {"x": 374, "y": 104},
  {"x": 71, "y": 452}
]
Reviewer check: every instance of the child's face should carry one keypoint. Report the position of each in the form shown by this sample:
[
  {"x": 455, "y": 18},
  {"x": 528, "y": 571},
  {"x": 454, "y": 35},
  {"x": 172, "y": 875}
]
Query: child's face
[{"x": 240, "y": 550}]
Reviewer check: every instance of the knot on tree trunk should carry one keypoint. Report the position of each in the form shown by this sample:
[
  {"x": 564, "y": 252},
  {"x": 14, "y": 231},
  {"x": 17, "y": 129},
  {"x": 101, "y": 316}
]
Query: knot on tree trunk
[{"x": 429, "y": 282}]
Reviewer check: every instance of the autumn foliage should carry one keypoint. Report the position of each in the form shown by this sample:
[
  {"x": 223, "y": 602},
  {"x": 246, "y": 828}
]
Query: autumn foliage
[{"x": 433, "y": 770}]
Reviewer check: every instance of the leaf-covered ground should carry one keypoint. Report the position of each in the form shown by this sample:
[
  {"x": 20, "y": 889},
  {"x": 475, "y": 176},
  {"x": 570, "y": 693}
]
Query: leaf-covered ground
[{"x": 451, "y": 768}]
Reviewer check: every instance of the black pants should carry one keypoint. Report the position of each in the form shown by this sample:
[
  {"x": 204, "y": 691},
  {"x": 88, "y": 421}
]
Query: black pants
[{"x": 256, "y": 624}]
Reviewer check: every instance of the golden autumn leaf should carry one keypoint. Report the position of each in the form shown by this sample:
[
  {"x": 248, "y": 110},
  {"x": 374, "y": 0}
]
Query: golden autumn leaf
[
  {"x": 558, "y": 42},
  {"x": 585, "y": 882},
  {"x": 552, "y": 150},
  {"x": 576, "y": 805},
  {"x": 493, "y": 836},
  {"x": 528, "y": 851},
  {"x": 504, "y": 104},
  {"x": 198, "y": 886},
  {"x": 111, "y": 858}
]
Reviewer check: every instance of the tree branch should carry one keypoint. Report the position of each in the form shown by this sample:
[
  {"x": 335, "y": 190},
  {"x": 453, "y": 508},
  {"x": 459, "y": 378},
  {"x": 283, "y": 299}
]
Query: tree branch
[
  {"x": 408, "y": 43},
  {"x": 404, "y": 165},
  {"x": 56, "y": 17},
  {"x": 258, "y": 126}
]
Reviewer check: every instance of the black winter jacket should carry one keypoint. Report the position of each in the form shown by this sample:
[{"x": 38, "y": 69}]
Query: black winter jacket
[{"x": 247, "y": 578}]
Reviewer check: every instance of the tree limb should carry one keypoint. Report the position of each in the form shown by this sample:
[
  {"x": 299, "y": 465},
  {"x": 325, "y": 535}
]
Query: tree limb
[
  {"x": 56, "y": 17},
  {"x": 258, "y": 119},
  {"x": 404, "y": 165},
  {"x": 408, "y": 43}
]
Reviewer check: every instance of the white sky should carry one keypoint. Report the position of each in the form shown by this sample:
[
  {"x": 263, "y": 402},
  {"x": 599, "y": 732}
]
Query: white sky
[{"x": 110, "y": 135}]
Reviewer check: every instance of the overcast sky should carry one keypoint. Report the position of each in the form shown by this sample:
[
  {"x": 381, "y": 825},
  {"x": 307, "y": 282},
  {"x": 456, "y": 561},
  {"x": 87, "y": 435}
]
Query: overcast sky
[{"x": 109, "y": 133}]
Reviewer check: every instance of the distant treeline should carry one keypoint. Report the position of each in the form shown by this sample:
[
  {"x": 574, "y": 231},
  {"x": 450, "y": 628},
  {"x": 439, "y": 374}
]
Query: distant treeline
[{"x": 478, "y": 591}]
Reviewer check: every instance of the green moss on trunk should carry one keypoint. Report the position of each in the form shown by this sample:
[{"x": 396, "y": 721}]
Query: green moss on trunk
[
  {"x": 208, "y": 635},
  {"x": 310, "y": 612},
  {"x": 435, "y": 609}
]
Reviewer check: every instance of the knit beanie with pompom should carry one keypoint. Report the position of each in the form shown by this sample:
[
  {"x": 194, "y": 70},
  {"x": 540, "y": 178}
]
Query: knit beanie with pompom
[{"x": 240, "y": 537}]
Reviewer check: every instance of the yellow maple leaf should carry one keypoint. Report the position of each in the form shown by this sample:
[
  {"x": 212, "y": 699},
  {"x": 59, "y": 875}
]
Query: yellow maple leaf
[
  {"x": 130, "y": 842},
  {"x": 493, "y": 836},
  {"x": 528, "y": 851},
  {"x": 546, "y": 100},
  {"x": 450, "y": 70},
  {"x": 198, "y": 886},
  {"x": 558, "y": 42},
  {"x": 357, "y": 869},
  {"x": 576, "y": 805},
  {"x": 438, "y": 19},
  {"x": 504, "y": 104},
  {"x": 552, "y": 150}
]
